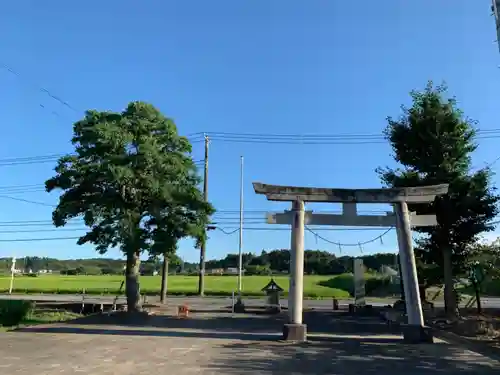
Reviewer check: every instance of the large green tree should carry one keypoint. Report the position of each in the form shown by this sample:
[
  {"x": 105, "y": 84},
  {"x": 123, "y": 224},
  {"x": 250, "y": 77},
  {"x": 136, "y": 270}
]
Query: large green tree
[
  {"x": 433, "y": 142},
  {"x": 133, "y": 181}
]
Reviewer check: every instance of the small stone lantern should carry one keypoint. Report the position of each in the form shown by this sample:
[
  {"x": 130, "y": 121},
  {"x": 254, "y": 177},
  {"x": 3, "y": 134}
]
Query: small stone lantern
[{"x": 273, "y": 292}]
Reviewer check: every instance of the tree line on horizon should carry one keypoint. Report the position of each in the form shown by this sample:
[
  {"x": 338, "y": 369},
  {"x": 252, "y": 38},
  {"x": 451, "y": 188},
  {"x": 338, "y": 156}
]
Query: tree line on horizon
[{"x": 268, "y": 262}]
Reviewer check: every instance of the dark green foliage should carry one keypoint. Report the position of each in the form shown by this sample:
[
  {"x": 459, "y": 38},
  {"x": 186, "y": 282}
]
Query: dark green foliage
[
  {"x": 374, "y": 286},
  {"x": 133, "y": 181},
  {"x": 12, "y": 312},
  {"x": 316, "y": 262},
  {"x": 483, "y": 266},
  {"x": 433, "y": 142}
]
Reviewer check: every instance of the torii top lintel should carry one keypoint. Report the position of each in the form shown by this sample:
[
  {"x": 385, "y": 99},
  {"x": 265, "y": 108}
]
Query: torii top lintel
[{"x": 422, "y": 194}]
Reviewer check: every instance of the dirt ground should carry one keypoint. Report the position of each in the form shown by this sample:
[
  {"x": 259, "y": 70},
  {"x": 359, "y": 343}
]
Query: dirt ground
[{"x": 482, "y": 328}]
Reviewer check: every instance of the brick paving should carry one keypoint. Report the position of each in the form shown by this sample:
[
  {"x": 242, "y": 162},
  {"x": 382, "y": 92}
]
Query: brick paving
[{"x": 219, "y": 344}]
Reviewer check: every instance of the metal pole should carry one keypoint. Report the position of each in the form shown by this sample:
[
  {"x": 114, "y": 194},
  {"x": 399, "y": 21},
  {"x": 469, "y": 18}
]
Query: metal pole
[
  {"x": 201, "y": 280},
  {"x": 297, "y": 263},
  {"x": 12, "y": 270},
  {"x": 232, "y": 303},
  {"x": 240, "y": 257},
  {"x": 408, "y": 266}
]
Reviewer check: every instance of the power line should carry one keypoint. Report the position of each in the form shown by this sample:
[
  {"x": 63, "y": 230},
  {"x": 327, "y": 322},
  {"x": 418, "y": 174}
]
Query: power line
[
  {"x": 291, "y": 136},
  {"x": 319, "y": 139},
  {"x": 34, "y": 223},
  {"x": 261, "y": 138},
  {"x": 221, "y": 229},
  {"x": 222, "y": 213},
  {"x": 277, "y": 229},
  {"x": 47, "y": 224},
  {"x": 39, "y": 88},
  {"x": 21, "y": 189},
  {"x": 225, "y": 230},
  {"x": 225, "y": 136},
  {"x": 260, "y": 211},
  {"x": 24, "y": 221},
  {"x": 27, "y": 201},
  {"x": 320, "y": 136},
  {"x": 40, "y": 239},
  {"x": 64, "y": 102},
  {"x": 47, "y": 159},
  {"x": 491, "y": 163},
  {"x": 30, "y": 160},
  {"x": 44, "y": 230}
]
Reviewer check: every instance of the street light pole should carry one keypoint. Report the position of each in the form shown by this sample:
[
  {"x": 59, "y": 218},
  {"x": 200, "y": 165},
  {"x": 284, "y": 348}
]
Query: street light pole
[{"x": 240, "y": 255}]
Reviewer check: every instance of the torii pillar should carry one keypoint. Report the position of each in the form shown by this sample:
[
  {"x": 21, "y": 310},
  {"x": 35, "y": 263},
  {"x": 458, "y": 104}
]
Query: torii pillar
[{"x": 295, "y": 330}]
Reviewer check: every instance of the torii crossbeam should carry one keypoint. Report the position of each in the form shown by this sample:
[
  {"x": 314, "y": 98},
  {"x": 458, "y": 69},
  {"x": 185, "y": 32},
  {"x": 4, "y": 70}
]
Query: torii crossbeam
[{"x": 401, "y": 219}]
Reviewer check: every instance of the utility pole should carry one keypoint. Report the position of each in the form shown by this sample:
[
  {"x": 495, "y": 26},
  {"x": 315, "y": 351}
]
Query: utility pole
[
  {"x": 201, "y": 280},
  {"x": 164, "y": 278},
  {"x": 495, "y": 8},
  {"x": 240, "y": 256}
]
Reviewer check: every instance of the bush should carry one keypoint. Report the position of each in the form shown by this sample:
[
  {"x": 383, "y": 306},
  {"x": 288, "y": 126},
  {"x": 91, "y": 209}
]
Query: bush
[
  {"x": 373, "y": 285},
  {"x": 491, "y": 288},
  {"x": 381, "y": 287},
  {"x": 343, "y": 282},
  {"x": 13, "y": 312}
]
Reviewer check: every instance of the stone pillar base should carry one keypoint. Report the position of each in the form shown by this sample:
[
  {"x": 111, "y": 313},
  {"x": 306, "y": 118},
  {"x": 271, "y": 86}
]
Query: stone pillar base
[
  {"x": 295, "y": 332},
  {"x": 417, "y": 334}
]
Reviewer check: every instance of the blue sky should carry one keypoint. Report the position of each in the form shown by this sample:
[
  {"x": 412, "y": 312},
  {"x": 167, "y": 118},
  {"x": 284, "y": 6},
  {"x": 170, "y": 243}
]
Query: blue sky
[{"x": 316, "y": 67}]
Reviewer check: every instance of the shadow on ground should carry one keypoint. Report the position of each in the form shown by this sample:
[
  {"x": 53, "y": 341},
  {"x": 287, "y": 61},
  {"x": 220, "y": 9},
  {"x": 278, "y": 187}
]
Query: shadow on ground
[
  {"x": 201, "y": 326},
  {"x": 349, "y": 357},
  {"x": 321, "y": 325},
  {"x": 317, "y": 322},
  {"x": 344, "y": 323}
]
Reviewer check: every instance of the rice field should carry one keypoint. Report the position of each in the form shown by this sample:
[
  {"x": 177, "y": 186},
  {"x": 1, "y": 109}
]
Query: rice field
[{"x": 314, "y": 286}]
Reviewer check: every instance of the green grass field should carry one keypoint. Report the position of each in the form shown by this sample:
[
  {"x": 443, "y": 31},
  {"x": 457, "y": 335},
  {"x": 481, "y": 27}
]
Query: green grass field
[{"x": 177, "y": 285}]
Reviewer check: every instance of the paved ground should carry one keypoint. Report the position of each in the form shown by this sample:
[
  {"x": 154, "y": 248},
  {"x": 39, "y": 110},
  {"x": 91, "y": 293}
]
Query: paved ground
[{"x": 220, "y": 344}]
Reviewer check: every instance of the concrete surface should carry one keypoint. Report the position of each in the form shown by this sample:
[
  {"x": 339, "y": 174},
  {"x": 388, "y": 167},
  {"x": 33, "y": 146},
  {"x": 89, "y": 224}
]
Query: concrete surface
[{"x": 219, "y": 344}]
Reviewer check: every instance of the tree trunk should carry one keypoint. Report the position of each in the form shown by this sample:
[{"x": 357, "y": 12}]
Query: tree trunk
[
  {"x": 450, "y": 301},
  {"x": 478, "y": 297},
  {"x": 423, "y": 295},
  {"x": 132, "y": 289},
  {"x": 164, "y": 280}
]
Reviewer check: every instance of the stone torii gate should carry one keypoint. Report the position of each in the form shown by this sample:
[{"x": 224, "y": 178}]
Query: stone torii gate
[{"x": 401, "y": 219}]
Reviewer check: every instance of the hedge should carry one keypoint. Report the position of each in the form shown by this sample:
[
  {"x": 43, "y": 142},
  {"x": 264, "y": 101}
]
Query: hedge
[{"x": 13, "y": 312}]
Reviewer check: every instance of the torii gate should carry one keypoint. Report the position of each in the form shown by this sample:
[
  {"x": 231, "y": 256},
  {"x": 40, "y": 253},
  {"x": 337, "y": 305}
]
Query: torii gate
[{"x": 399, "y": 197}]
